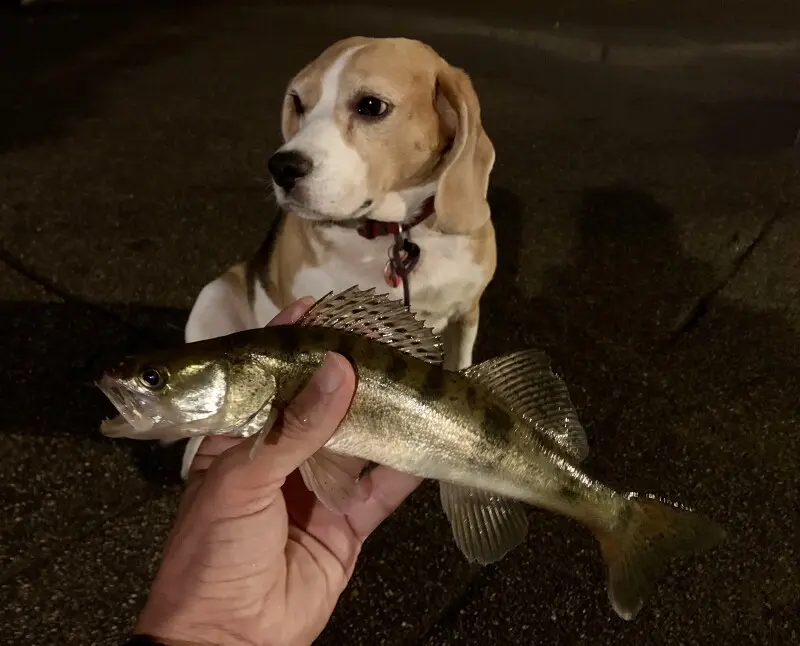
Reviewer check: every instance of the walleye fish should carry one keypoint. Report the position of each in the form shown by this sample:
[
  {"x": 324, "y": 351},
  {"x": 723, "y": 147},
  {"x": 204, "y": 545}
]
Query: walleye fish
[{"x": 495, "y": 435}]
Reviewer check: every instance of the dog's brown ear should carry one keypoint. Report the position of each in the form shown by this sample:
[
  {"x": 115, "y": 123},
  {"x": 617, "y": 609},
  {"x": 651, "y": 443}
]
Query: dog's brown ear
[{"x": 460, "y": 202}]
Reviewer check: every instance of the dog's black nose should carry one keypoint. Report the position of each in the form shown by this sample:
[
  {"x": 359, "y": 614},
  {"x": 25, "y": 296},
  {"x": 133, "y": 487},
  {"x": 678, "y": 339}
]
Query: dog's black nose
[{"x": 287, "y": 167}]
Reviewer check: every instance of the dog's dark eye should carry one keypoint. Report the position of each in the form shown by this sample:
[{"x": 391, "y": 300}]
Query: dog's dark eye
[
  {"x": 372, "y": 107},
  {"x": 152, "y": 378},
  {"x": 299, "y": 108}
]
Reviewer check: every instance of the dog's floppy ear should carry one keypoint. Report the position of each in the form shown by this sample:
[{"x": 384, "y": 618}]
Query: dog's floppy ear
[{"x": 460, "y": 202}]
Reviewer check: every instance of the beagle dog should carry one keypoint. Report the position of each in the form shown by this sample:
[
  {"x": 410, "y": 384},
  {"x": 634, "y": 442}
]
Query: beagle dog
[{"x": 378, "y": 132}]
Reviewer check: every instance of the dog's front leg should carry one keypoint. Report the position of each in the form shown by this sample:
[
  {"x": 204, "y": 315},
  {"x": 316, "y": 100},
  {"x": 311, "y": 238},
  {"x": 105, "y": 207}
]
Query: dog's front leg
[
  {"x": 459, "y": 339},
  {"x": 221, "y": 308}
]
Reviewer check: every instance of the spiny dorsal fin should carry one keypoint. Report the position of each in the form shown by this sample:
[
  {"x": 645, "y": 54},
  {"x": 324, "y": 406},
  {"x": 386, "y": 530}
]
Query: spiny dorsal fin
[
  {"x": 376, "y": 317},
  {"x": 528, "y": 386}
]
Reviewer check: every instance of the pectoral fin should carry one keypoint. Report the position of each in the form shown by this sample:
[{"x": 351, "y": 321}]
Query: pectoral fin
[
  {"x": 485, "y": 526},
  {"x": 335, "y": 479},
  {"x": 265, "y": 418},
  {"x": 189, "y": 454}
]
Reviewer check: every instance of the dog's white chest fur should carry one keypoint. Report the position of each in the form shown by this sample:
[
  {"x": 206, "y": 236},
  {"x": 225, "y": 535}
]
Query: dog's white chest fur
[{"x": 444, "y": 282}]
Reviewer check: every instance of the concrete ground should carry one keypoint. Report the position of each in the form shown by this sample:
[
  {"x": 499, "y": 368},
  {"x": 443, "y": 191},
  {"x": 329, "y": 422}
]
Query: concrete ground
[{"x": 646, "y": 200}]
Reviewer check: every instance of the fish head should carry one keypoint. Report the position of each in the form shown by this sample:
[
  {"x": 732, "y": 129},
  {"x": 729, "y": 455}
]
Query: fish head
[{"x": 188, "y": 391}]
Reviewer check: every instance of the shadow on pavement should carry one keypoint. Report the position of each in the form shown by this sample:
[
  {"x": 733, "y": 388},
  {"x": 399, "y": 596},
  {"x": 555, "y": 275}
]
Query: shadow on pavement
[
  {"x": 52, "y": 352},
  {"x": 708, "y": 422},
  {"x": 609, "y": 304}
]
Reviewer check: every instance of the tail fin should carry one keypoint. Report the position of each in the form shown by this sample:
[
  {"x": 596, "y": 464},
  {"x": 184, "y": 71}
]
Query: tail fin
[{"x": 636, "y": 554}]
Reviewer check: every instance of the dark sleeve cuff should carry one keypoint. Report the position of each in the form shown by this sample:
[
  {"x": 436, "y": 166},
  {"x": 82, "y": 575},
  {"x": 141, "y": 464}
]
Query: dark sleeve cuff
[{"x": 143, "y": 640}]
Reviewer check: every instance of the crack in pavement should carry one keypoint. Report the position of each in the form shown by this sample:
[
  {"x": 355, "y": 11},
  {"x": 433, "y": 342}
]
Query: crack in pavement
[
  {"x": 695, "y": 314},
  {"x": 52, "y": 288}
]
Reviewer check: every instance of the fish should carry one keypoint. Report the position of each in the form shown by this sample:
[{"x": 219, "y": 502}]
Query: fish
[{"x": 497, "y": 436}]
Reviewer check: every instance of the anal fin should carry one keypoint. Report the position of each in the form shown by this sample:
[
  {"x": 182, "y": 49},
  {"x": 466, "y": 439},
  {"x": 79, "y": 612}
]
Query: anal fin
[
  {"x": 526, "y": 383},
  {"x": 335, "y": 479},
  {"x": 485, "y": 526}
]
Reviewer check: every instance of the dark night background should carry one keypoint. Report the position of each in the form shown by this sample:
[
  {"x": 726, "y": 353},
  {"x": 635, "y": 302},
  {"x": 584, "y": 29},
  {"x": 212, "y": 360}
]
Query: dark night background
[{"x": 645, "y": 196}]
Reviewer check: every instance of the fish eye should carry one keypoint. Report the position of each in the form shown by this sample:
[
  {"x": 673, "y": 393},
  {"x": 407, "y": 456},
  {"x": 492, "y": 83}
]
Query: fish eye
[
  {"x": 152, "y": 378},
  {"x": 371, "y": 107}
]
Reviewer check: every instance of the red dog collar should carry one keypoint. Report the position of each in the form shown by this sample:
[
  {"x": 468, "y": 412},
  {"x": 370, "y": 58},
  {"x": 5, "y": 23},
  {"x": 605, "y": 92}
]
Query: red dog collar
[{"x": 371, "y": 229}]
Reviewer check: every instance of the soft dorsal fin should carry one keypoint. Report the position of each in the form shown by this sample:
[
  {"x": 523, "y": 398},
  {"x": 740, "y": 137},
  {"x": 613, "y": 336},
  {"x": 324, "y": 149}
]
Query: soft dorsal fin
[
  {"x": 376, "y": 317},
  {"x": 528, "y": 386}
]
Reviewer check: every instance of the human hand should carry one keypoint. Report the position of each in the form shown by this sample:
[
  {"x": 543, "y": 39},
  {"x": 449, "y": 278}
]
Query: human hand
[{"x": 253, "y": 557}]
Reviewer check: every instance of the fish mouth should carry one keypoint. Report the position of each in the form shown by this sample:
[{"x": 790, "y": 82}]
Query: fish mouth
[{"x": 130, "y": 422}]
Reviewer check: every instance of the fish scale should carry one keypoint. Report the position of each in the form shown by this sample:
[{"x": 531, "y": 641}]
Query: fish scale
[{"x": 497, "y": 435}]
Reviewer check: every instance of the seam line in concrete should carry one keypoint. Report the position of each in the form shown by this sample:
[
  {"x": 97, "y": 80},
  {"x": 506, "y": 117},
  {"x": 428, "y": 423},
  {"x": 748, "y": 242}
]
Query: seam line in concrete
[
  {"x": 695, "y": 315},
  {"x": 451, "y": 609},
  {"x": 19, "y": 267},
  {"x": 569, "y": 41}
]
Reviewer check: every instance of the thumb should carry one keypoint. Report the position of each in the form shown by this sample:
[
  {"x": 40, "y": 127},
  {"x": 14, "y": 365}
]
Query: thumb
[{"x": 307, "y": 423}]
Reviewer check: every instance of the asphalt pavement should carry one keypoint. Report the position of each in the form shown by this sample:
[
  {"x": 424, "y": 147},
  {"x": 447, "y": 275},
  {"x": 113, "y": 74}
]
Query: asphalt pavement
[{"x": 646, "y": 197}]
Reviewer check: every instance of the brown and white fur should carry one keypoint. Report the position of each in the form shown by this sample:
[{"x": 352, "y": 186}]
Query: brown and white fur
[{"x": 429, "y": 142}]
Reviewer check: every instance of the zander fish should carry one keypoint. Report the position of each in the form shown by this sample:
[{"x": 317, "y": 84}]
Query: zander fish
[{"x": 495, "y": 435}]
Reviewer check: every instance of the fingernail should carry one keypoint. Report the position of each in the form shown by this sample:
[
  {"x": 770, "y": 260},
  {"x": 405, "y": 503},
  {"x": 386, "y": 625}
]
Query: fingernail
[
  {"x": 300, "y": 307},
  {"x": 330, "y": 375}
]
